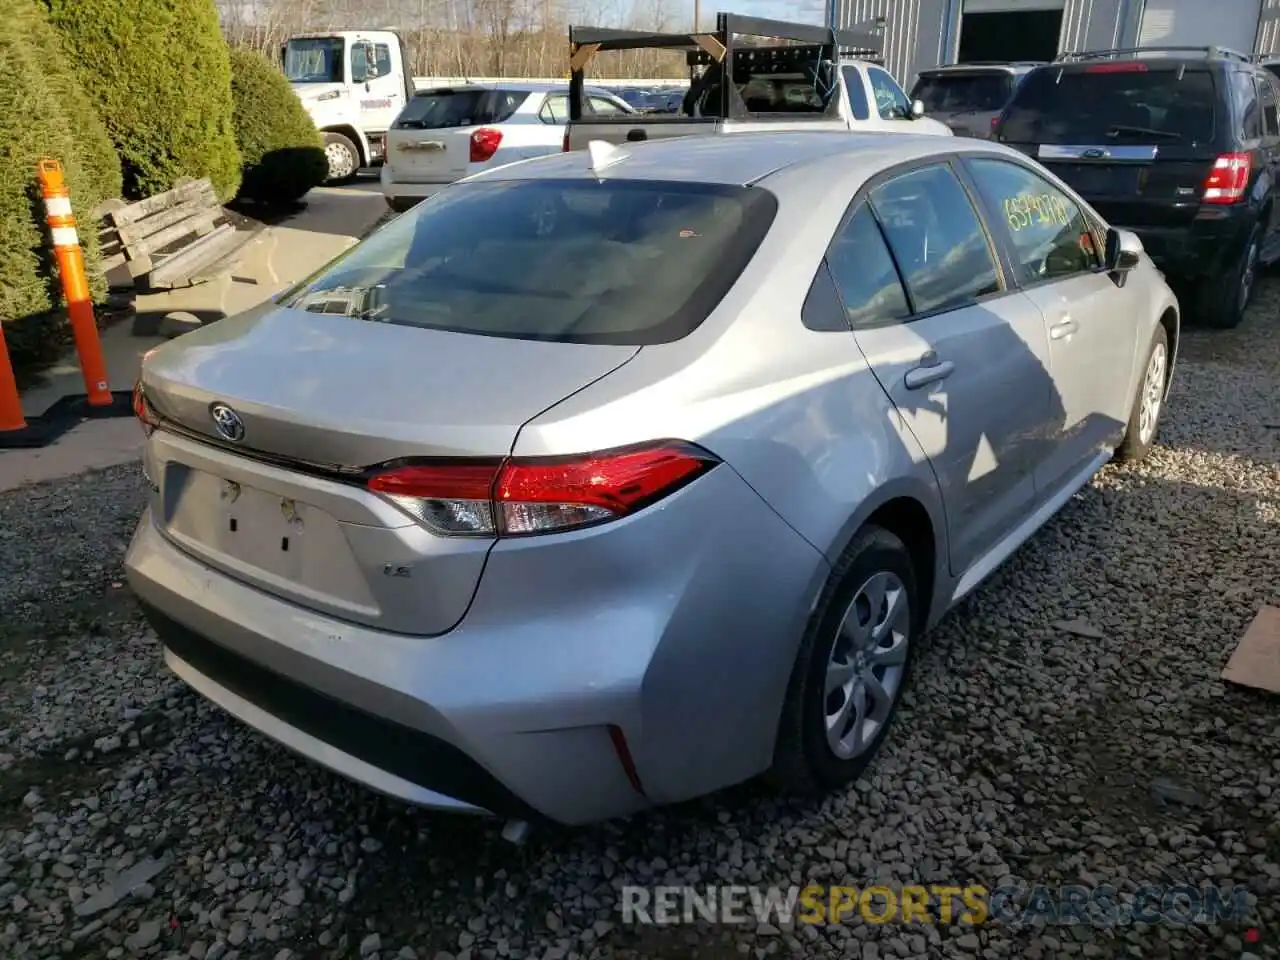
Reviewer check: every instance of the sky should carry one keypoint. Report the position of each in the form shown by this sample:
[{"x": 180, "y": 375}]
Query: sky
[{"x": 802, "y": 11}]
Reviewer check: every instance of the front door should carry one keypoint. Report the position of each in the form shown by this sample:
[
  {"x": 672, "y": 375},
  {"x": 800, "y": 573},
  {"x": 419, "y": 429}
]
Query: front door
[
  {"x": 1092, "y": 324},
  {"x": 962, "y": 356},
  {"x": 376, "y": 76}
]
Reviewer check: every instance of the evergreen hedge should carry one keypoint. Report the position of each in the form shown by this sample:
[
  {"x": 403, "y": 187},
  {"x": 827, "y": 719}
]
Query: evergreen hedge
[
  {"x": 160, "y": 76},
  {"x": 281, "y": 148},
  {"x": 34, "y": 124}
]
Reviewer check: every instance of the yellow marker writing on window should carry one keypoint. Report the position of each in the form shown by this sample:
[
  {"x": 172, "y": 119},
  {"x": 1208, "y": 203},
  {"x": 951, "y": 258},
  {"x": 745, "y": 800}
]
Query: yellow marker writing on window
[{"x": 1035, "y": 210}]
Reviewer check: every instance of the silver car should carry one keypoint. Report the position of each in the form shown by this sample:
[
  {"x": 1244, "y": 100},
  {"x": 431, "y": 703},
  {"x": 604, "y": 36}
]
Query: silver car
[{"x": 608, "y": 479}]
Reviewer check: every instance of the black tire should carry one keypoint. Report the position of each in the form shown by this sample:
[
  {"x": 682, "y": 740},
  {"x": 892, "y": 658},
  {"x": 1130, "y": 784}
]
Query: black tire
[
  {"x": 1221, "y": 301},
  {"x": 1133, "y": 448},
  {"x": 344, "y": 158},
  {"x": 803, "y": 762}
]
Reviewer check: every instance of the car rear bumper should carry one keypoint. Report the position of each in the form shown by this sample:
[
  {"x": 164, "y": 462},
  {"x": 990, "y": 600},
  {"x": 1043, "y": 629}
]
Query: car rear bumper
[
  {"x": 1207, "y": 246},
  {"x": 630, "y": 665},
  {"x": 411, "y": 189}
]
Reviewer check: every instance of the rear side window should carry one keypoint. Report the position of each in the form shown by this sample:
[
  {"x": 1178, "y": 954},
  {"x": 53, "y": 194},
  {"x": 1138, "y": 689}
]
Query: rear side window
[
  {"x": 955, "y": 92},
  {"x": 1267, "y": 96},
  {"x": 1112, "y": 102},
  {"x": 1245, "y": 94},
  {"x": 937, "y": 239},
  {"x": 576, "y": 261},
  {"x": 440, "y": 109},
  {"x": 864, "y": 273},
  {"x": 857, "y": 93}
]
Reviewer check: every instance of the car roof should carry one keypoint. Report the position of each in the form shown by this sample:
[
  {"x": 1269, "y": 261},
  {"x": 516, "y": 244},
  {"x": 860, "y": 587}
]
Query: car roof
[
  {"x": 1012, "y": 66},
  {"x": 740, "y": 159}
]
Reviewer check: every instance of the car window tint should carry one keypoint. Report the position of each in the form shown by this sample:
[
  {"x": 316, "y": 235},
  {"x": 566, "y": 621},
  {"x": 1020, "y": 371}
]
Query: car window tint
[
  {"x": 1049, "y": 233},
  {"x": 954, "y": 92},
  {"x": 573, "y": 261},
  {"x": 864, "y": 273},
  {"x": 936, "y": 239},
  {"x": 857, "y": 93},
  {"x": 1153, "y": 104},
  {"x": 890, "y": 100},
  {"x": 440, "y": 109},
  {"x": 1267, "y": 98},
  {"x": 1246, "y": 97}
]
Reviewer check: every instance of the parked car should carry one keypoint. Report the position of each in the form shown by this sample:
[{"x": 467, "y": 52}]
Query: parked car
[
  {"x": 968, "y": 97},
  {"x": 1180, "y": 145},
  {"x": 631, "y": 473},
  {"x": 447, "y": 133}
]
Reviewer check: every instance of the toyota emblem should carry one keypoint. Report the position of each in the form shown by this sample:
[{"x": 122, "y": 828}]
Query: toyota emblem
[{"x": 227, "y": 422}]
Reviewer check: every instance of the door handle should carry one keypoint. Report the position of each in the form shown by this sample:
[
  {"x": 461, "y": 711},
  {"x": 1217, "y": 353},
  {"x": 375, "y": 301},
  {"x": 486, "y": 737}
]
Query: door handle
[
  {"x": 931, "y": 370},
  {"x": 1063, "y": 328}
]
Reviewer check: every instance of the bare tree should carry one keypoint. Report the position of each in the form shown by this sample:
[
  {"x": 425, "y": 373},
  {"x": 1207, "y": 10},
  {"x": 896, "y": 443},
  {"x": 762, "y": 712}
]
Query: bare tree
[{"x": 516, "y": 38}]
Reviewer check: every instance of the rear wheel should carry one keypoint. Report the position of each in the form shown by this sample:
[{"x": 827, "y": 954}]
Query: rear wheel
[
  {"x": 851, "y": 667},
  {"x": 1222, "y": 300},
  {"x": 343, "y": 157}
]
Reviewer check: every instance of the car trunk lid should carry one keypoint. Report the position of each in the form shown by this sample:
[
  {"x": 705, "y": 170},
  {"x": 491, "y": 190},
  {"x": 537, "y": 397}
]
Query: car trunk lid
[
  {"x": 430, "y": 140},
  {"x": 320, "y": 397}
]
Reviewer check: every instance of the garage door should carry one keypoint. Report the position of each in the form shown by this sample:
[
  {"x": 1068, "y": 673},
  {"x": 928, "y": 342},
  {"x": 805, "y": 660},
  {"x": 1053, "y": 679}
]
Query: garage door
[{"x": 1188, "y": 23}]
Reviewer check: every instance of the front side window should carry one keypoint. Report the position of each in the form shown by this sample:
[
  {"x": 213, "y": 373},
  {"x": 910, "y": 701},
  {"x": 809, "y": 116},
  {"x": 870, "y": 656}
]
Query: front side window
[
  {"x": 1050, "y": 235},
  {"x": 864, "y": 274},
  {"x": 555, "y": 109},
  {"x": 1267, "y": 97},
  {"x": 574, "y": 261},
  {"x": 936, "y": 238},
  {"x": 890, "y": 100},
  {"x": 382, "y": 59},
  {"x": 604, "y": 108}
]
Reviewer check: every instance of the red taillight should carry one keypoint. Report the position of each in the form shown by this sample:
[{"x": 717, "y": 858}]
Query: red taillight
[
  {"x": 564, "y": 146},
  {"x": 484, "y": 144},
  {"x": 518, "y": 497},
  {"x": 1228, "y": 180},
  {"x": 1116, "y": 68},
  {"x": 142, "y": 410}
]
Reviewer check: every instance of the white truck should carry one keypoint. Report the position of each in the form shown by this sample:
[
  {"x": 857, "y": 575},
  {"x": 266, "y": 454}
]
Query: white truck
[
  {"x": 752, "y": 74},
  {"x": 352, "y": 83}
]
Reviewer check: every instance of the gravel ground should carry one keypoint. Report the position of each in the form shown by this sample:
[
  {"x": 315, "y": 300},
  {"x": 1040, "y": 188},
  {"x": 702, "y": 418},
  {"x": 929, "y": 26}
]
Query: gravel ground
[{"x": 1106, "y": 752}]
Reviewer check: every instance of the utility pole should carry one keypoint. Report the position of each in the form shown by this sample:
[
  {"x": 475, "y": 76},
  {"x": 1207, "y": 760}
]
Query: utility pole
[{"x": 697, "y": 14}]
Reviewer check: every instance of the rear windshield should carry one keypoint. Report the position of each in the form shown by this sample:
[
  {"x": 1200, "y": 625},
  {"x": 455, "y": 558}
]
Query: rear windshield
[
  {"x": 956, "y": 92},
  {"x": 1112, "y": 103},
  {"x": 576, "y": 261},
  {"x": 459, "y": 108}
]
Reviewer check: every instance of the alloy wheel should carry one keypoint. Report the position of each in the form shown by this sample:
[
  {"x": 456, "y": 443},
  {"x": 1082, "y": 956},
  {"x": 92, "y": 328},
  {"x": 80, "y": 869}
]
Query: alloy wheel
[{"x": 868, "y": 661}]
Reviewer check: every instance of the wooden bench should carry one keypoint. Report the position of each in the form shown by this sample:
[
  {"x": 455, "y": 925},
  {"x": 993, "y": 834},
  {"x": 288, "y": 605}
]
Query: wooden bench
[{"x": 174, "y": 239}]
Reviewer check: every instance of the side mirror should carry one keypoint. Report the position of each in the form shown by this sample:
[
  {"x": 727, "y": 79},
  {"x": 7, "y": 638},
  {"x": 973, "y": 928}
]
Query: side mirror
[
  {"x": 917, "y": 109},
  {"x": 1123, "y": 251}
]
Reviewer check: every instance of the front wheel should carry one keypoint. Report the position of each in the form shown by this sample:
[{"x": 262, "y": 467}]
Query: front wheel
[
  {"x": 1222, "y": 300},
  {"x": 1148, "y": 403},
  {"x": 851, "y": 667},
  {"x": 343, "y": 157}
]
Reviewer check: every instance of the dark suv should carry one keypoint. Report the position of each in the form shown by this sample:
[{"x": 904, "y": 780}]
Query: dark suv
[
  {"x": 1180, "y": 145},
  {"x": 968, "y": 97}
]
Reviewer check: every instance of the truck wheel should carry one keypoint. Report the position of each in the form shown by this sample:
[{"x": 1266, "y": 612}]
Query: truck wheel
[{"x": 343, "y": 157}]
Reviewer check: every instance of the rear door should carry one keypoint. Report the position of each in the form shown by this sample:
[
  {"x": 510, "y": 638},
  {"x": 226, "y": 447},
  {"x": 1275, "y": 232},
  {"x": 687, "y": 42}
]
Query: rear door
[
  {"x": 1269, "y": 102},
  {"x": 430, "y": 142},
  {"x": 1134, "y": 138},
  {"x": 963, "y": 358},
  {"x": 1093, "y": 325}
]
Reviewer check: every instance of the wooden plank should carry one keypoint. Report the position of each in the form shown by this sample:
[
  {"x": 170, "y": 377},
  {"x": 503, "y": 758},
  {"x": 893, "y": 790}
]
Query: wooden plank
[
  {"x": 198, "y": 223},
  {"x": 161, "y": 201},
  {"x": 177, "y": 269},
  {"x": 141, "y": 229}
]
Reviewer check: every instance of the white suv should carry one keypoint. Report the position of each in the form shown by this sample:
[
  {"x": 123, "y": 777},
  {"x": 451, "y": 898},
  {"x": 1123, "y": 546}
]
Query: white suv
[{"x": 447, "y": 133}]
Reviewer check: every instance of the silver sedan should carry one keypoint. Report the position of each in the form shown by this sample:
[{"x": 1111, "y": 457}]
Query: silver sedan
[{"x": 608, "y": 479}]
